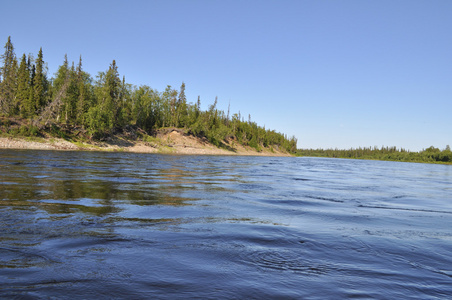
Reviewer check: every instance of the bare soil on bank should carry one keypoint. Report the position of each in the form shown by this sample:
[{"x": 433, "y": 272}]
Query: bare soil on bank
[{"x": 168, "y": 141}]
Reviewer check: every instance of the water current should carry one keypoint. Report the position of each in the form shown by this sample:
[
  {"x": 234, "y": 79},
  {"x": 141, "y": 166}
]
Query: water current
[{"x": 86, "y": 225}]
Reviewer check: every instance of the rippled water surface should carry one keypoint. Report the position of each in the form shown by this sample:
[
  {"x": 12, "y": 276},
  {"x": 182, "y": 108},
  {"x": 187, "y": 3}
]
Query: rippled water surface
[{"x": 118, "y": 225}]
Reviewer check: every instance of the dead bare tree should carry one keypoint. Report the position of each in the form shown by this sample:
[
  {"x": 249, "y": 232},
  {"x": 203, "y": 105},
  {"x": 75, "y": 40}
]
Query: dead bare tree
[{"x": 51, "y": 111}]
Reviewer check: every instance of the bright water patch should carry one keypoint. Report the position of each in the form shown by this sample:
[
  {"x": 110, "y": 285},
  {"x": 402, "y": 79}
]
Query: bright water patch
[{"x": 119, "y": 225}]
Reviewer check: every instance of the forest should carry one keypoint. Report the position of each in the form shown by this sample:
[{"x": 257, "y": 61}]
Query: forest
[
  {"x": 97, "y": 107},
  {"x": 429, "y": 155}
]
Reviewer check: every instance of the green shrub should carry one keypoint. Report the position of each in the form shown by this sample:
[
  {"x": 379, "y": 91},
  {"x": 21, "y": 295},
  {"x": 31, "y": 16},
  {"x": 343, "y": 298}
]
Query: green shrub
[{"x": 57, "y": 132}]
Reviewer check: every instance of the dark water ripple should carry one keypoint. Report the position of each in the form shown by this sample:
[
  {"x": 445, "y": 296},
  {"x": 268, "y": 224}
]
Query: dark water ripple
[{"x": 77, "y": 225}]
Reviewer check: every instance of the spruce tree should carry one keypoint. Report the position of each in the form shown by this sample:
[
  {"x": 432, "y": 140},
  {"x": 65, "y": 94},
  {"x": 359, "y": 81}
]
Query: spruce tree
[
  {"x": 39, "y": 82},
  {"x": 126, "y": 102},
  {"x": 30, "y": 105},
  {"x": 72, "y": 95},
  {"x": 23, "y": 87},
  {"x": 112, "y": 89},
  {"x": 82, "y": 103},
  {"x": 8, "y": 83},
  {"x": 181, "y": 108}
]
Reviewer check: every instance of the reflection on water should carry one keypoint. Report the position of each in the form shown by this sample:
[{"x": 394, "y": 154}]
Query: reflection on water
[
  {"x": 120, "y": 225},
  {"x": 90, "y": 186}
]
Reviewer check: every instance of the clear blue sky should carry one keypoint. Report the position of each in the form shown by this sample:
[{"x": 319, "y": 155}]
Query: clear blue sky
[{"x": 333, "y": 73}]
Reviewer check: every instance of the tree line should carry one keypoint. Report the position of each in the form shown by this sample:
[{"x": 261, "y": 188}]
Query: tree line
[
  {"x": 429, "y": 155},
  {"x": 107, "y": 103}
]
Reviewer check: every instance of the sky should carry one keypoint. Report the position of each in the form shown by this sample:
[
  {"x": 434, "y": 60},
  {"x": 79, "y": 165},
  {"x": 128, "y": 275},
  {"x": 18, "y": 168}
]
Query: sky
[{"x": 334, "y": 74}]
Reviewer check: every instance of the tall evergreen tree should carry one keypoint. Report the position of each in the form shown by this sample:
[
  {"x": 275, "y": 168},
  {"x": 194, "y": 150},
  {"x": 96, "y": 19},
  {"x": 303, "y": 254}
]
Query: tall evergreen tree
[
  {"x": 112, "y": 90},
  {"x": 72, "y": 95},
  {"x": 198, "y": 104},
  {"x": 126, "y": 101},
  {"x": 83, "y": 100},
  {"x": 31, "y": 103},
  {"x": 40, "y": 82},
  {"x": 181, "y": 108},
  {"x": 8, "y": 83},
  {"x": 23, "y": 87}
]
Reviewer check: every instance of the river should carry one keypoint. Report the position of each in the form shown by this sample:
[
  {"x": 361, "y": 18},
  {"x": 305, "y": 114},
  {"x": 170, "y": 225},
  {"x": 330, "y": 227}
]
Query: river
[{"x": 84, "y": 225}]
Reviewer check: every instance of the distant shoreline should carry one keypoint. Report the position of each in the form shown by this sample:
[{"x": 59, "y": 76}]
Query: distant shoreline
[{"x": 430, "y": 155}]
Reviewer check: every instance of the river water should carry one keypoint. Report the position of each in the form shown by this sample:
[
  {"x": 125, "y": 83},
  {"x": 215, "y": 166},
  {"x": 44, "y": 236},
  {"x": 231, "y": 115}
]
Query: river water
[{"x": 83, "y": 225}]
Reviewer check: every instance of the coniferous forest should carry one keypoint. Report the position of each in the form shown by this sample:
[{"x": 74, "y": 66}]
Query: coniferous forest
[
  {"x": 429, "y": 155},
  {"x": 73, "y": 100}
]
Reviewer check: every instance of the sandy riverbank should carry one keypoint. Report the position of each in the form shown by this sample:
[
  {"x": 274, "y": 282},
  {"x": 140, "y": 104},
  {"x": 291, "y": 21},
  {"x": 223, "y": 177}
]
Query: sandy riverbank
[{"x": 170, "y": 143}]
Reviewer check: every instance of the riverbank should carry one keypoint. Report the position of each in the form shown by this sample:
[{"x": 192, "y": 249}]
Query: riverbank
[
  {"x": 429, "y": 155},
  {"x": 167, "y": 142}
]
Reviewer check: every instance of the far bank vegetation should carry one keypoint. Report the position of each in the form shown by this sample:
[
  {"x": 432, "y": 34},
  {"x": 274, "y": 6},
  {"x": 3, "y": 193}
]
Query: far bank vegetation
[{"x": 429, "y": 155}]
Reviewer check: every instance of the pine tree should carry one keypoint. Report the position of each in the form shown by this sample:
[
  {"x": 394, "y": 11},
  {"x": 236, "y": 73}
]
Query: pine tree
[{"x": 8, "y": 83}]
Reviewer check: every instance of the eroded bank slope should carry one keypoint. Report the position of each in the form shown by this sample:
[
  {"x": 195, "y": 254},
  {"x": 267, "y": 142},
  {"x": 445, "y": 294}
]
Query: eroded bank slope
[{"x": 170, "y": 141}]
